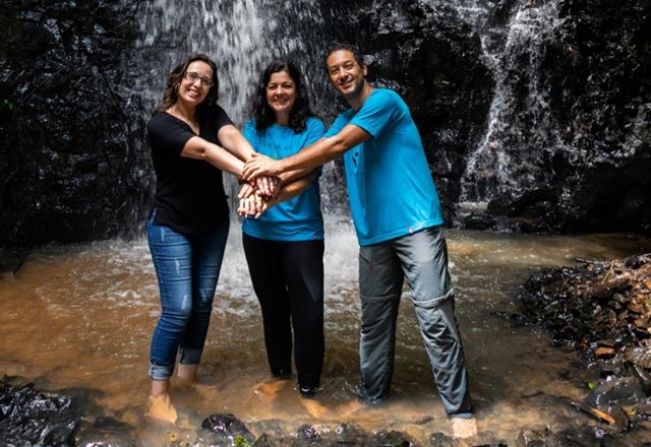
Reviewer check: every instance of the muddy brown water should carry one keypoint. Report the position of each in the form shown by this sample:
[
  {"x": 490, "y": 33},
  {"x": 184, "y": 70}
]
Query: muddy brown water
[{"x": 79, "y": 317}]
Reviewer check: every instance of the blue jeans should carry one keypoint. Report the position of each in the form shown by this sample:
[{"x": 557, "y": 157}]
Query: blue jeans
[
  {"x": 420, "y": 258},
  {"x": 187, "y": 267}
]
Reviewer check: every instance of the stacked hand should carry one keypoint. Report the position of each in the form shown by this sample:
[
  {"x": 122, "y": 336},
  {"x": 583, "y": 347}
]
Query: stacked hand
[
  {"x": 256, "y": 196},
  {"x": 261, "y": 165}
]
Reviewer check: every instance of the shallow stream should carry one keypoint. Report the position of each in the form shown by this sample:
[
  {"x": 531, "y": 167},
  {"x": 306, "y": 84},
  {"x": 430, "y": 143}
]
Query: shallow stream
[{"x": 77, "y": 320}]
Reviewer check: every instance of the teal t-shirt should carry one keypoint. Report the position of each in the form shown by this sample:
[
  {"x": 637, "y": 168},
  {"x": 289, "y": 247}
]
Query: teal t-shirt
[
  {"x": 390, "y": 187},
  {"x": 299, "y": 218}
]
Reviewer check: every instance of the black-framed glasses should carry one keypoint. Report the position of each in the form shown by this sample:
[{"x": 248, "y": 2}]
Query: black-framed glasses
[{"x": 194, "y": 77}]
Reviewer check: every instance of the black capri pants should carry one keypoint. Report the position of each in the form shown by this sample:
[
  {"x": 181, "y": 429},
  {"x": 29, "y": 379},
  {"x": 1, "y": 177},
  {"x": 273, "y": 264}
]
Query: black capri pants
[{"x": 287, "y": 278}]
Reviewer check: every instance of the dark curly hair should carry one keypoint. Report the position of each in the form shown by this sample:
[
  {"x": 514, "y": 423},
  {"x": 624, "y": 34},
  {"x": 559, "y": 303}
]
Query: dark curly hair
[
  {"x": 264, "y": 115},
  {"x": 171, "y": 93}
]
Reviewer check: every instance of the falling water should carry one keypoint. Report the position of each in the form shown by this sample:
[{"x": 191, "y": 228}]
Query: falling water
[
  {"x": 242, "y": 36},
  {"x": 514, "y": 53}
]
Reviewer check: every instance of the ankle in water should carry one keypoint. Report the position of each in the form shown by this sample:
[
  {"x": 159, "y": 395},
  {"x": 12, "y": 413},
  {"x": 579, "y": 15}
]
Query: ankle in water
[{"x": 307, "y": 391}]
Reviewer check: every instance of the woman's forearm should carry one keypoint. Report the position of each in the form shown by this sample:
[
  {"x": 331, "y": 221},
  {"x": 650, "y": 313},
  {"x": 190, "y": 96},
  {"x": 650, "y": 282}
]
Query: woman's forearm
[
  {"x": 199, "y": 149},
  {"x": 235, "y": 143}
]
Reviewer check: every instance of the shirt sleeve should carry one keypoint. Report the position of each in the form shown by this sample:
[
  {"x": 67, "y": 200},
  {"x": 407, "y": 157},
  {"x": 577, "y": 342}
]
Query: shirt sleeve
[
  {"x": 168, "y": 135},
  {"x": 221, "y": 118},
  {"x": 377, "y": 112},
  {"x": 250, "y": 133},
  {"x": 315, "y": 131},
  {"x": 337, "y": 125}
]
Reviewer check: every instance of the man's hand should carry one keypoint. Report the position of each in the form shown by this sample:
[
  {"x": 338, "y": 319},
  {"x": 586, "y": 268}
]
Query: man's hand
[{"x": 261, "y": 165}]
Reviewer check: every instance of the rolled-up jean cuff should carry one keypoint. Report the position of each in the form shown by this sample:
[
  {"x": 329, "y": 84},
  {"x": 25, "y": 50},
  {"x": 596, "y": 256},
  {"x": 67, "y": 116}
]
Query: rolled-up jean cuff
[
  {"x": 189, "y": 356},
  {"x": 160, "y": 372},
  {"x": 465, "y": 415}
]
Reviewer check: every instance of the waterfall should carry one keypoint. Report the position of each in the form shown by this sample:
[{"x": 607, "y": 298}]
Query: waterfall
[
  {"x": 520, "y": 121},
  {"x": 241, "y": 36}
]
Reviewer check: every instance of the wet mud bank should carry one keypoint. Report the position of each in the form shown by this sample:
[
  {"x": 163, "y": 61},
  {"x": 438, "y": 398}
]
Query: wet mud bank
[{"x": 602, "y": 310}]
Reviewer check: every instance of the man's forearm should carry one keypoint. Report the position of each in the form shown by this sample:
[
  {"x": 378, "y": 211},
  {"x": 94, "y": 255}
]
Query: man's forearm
[{"x": 319, "y": 153}]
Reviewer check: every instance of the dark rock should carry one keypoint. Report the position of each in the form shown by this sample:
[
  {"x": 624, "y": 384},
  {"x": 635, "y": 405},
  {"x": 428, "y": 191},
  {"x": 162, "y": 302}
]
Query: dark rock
[
  {"x": 538, "y": 109},
  {"x": 31, "y": 417},
  {"x": 348, "y": 434},
  {"x": 433, "y": 59},
  {"x": 442, "y": 440},
  {"x": 73, "y": 164},
  {"x": 224, "y": 428},
  {"x": 393, "y": 439},
  {"x": 308, "y": 433},
  {"x": 623, "y": 391}
]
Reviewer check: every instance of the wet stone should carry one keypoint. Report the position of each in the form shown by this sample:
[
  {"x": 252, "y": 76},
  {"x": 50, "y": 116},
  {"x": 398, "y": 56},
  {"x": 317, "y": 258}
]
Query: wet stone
[
  {"x": 308, "y": 433},
  {"x": 348, "y": 434},
  {"x": 442, "y": 440},
  {"x": 30, "y": 417},
  {"x": 264, "y": 441},
  {"x": 393, "y": 439},
  {"x": 224, "y": 428}
]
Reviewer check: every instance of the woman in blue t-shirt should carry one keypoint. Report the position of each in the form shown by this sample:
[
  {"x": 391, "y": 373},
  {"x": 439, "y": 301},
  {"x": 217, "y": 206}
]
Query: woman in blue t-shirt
[{"x": 283, "y": 243}]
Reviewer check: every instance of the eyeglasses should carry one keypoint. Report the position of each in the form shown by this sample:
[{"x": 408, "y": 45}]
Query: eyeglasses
[{"x": 194, "y": 77}]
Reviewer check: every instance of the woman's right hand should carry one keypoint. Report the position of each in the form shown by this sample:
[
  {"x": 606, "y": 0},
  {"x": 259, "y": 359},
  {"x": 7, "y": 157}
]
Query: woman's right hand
[
  {"x": 252, "y": 206},
  {"x": 268, "y": 186},
  {"x": 246, "y": 190}
]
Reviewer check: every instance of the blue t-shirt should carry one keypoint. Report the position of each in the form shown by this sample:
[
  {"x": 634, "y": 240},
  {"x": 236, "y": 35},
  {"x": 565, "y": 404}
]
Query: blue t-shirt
[
  {"x": 299, "y": 218},
  {"x": 390, "y": 187}
]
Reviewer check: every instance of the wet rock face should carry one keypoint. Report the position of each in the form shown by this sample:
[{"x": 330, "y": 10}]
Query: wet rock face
[
  {"x": 72, "y": 166},
  {"x": 432, "y": 58},
  {"x": 540, "y": 108},
  {"x": 574, "y": 134},
  {"x": 601, "y": 100},
  {"x": 537, "y": 109}
]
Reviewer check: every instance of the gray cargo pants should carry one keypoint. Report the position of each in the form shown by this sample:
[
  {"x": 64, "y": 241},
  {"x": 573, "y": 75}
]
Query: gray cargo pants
[{"x": 422, "y": 259}]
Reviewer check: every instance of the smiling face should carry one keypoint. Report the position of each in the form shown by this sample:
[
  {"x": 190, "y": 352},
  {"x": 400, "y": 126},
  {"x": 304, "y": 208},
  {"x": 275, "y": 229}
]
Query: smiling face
[
  {"x": 281, "y": 95},
  {"x": 346, "y": 74},
  {"x": 195, "y": 83}
]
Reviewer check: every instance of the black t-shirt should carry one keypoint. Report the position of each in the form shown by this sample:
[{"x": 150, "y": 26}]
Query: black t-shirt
[{"x": 190, "y": 195}]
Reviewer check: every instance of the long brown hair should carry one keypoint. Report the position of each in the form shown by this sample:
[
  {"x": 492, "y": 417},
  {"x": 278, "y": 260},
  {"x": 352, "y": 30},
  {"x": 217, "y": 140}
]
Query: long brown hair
[{"x": 171, "y": 93}]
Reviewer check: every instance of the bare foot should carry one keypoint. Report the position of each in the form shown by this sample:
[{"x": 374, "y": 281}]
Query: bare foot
[
  {"x": 349, "y": 408},
  {"x": 315, "y": 409},
  {"x": 269, "y": 389},
  {"x": 464, "y": 428},
  {"x": 161, "y": 409}
]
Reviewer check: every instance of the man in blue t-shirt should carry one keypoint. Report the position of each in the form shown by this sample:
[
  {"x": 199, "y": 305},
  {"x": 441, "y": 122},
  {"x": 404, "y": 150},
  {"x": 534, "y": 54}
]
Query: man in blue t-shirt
[{"x": 398, "y": 220}]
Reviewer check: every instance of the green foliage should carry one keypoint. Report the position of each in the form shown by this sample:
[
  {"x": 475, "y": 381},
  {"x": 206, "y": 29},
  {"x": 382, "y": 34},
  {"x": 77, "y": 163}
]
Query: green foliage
[
  {"x": 240, "y": 441},
  {"x": 7, "y": 104}
]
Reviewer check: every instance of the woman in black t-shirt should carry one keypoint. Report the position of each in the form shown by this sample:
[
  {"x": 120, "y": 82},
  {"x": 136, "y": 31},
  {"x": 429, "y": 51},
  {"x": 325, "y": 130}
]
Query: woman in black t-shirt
[{"x": 192, "y": 142}]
